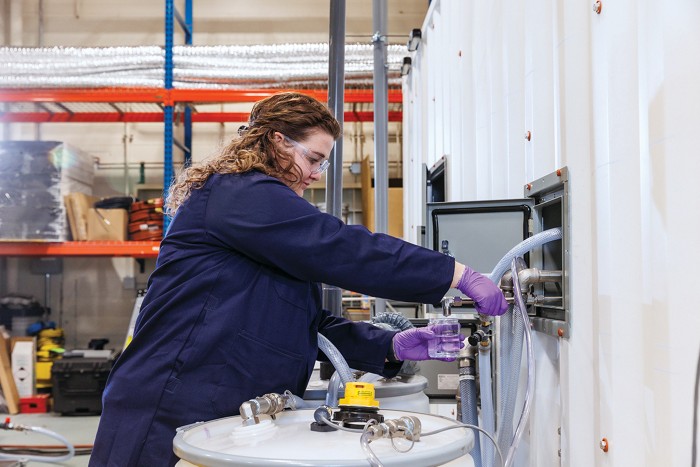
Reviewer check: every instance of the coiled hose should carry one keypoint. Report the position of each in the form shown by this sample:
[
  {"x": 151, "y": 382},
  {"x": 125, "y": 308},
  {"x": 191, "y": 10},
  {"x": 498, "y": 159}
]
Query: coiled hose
[
  {"x": 394, "y": 320},
  {"x": 397, "y": 322}
]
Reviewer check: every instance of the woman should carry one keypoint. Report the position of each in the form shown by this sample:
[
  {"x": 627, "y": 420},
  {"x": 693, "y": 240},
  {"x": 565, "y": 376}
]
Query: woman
[{"x": 234, "y": 305}]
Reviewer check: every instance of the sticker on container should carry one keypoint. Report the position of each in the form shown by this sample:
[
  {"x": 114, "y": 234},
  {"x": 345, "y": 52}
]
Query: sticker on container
[{"x": 447, "y": 381}]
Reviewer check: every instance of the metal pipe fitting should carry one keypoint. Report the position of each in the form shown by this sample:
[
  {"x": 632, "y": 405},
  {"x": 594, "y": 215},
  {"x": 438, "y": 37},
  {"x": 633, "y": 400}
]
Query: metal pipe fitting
[
  {"x": 476, "y": 337},
  {"x": 269, "y": 404},
  {"x": 457, "y": 301},
  {"x": 543, "y": 300},
  {"x": 407, "y": 427},
  {"x": 533, "y": 276},
  {"x": 506, "y": 282},
  {"x": 322, "y": 413}
]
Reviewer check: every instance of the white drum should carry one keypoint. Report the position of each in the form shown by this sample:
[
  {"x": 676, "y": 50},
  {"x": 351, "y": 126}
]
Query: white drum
[{"x": 288, "y": 441}]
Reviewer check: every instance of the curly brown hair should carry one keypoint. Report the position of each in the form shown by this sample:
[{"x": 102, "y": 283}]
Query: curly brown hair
[{"x": 290, "y": 113}]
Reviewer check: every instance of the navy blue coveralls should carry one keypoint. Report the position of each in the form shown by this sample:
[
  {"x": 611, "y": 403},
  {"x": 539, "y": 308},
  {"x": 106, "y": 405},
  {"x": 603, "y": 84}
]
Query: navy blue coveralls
[{"x": 234, "y": 307}]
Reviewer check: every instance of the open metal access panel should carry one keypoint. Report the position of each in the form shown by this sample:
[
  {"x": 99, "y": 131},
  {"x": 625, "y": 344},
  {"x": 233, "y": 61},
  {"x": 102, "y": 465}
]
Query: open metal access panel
[{"x": 480, "y": 233}]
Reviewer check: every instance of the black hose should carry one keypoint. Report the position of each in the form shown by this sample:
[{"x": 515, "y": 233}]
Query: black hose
[{"x": 117, "y": 202}]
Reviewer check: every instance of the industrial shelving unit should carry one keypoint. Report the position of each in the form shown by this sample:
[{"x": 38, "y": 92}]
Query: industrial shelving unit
[
  {"x": 105, "y": 248},
  {"x": 168, "y": 105},
  {"x": 114, "y": 105}
]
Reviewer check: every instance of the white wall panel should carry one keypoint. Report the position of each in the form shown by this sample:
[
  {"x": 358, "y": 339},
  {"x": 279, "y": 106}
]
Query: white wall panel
[
  {"x": 616, "y": 98},
  {"x": 513, "y": 58}
]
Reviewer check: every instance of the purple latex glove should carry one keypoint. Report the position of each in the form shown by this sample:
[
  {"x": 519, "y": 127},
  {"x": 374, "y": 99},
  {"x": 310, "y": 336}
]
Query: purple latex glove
[
  {"x": 412, "y": 344},
  {"x": 488, "y": 299}
]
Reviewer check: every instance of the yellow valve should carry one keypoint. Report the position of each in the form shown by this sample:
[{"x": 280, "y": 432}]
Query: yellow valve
[{"x": 359, "y": 394}]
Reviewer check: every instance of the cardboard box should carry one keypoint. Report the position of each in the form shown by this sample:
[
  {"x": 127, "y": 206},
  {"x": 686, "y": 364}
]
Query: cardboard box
[
  {"x": 394, "y": 203},
  {"x": 107, "y": 224},
  {"x": 78, "y": 206},
  {"x": 23, "y": 357}
]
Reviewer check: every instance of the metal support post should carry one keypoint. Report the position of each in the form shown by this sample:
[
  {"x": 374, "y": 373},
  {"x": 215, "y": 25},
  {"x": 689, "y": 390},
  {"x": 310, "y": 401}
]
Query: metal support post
[
  {"x": 332, "y": 296},
  {"x": 168, "y": 109},
  {"x": 381, "y": 125}
]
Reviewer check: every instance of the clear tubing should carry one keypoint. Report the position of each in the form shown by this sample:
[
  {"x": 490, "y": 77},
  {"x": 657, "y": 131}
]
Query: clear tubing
[
  {"x": 336, "y": 358},
  {"x": 522, "y": 248},
  {"x": 333, "y": 390},
  {"x": 487, "y": 419},
  {"x": 468, "y": 395},
  {"x": 511, "y": 362},
  {"x": 371, "y": 456},
  {"x": 529, "y": 394},
  {"x": 473, "y": 427},
  {"x": 300, "y": 403},
  {"x": 487, "y": 409},
  {"x": 47, "y": 459}
]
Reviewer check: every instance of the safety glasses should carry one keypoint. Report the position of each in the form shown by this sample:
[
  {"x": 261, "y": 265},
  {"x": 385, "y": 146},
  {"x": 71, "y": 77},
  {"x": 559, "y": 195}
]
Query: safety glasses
[{"x": 317, "y": 165}]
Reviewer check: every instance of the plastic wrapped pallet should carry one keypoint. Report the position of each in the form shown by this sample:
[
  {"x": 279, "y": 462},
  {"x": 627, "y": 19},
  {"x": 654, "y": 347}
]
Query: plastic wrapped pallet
[{"x": 34, "y": 178}]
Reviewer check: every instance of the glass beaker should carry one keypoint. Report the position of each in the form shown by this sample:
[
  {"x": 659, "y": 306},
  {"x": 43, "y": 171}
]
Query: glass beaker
[{"x": 446, "y": 343}]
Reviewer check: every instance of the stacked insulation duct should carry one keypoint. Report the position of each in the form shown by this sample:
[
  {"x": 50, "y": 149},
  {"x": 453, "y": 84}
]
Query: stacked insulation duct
[{"x": 200, "y": 67}]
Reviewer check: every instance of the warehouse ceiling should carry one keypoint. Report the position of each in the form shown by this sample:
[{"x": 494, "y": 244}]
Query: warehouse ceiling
[{"x": 138, "y": 22}]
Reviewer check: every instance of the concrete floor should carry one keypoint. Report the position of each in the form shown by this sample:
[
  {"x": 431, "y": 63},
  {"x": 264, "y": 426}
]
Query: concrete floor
[{"x": 78, "y": 430}]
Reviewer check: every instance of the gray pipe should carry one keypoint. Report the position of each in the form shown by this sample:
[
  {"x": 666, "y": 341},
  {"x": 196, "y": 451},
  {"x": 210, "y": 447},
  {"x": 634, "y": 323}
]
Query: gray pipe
[
  {"x": 336, "y": 103},
  {"x": 332, "y": 295},
  {"x": 381, "y": 127}
]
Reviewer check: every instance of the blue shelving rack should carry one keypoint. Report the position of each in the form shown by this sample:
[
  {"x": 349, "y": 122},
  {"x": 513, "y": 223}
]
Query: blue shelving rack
[{"x": 186, "y": 23}]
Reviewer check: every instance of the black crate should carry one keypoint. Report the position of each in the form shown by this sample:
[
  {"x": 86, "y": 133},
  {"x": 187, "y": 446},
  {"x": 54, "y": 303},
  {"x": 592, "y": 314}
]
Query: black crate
[{"x": 78, "y": 384}]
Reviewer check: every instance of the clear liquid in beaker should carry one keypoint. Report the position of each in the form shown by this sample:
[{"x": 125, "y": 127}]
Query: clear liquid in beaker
[{"x": 447, "y": 341}]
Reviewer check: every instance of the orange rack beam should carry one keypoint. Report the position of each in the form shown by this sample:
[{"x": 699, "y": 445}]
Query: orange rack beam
[
  {"x": 168, "y": 97},
  {"x": 144, "y": 117},
  {"x": 106, "y": 248}
]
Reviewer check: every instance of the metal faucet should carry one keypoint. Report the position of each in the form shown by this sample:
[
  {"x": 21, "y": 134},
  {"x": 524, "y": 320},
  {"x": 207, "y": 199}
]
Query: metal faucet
[{"x": 448, "y": 302}]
